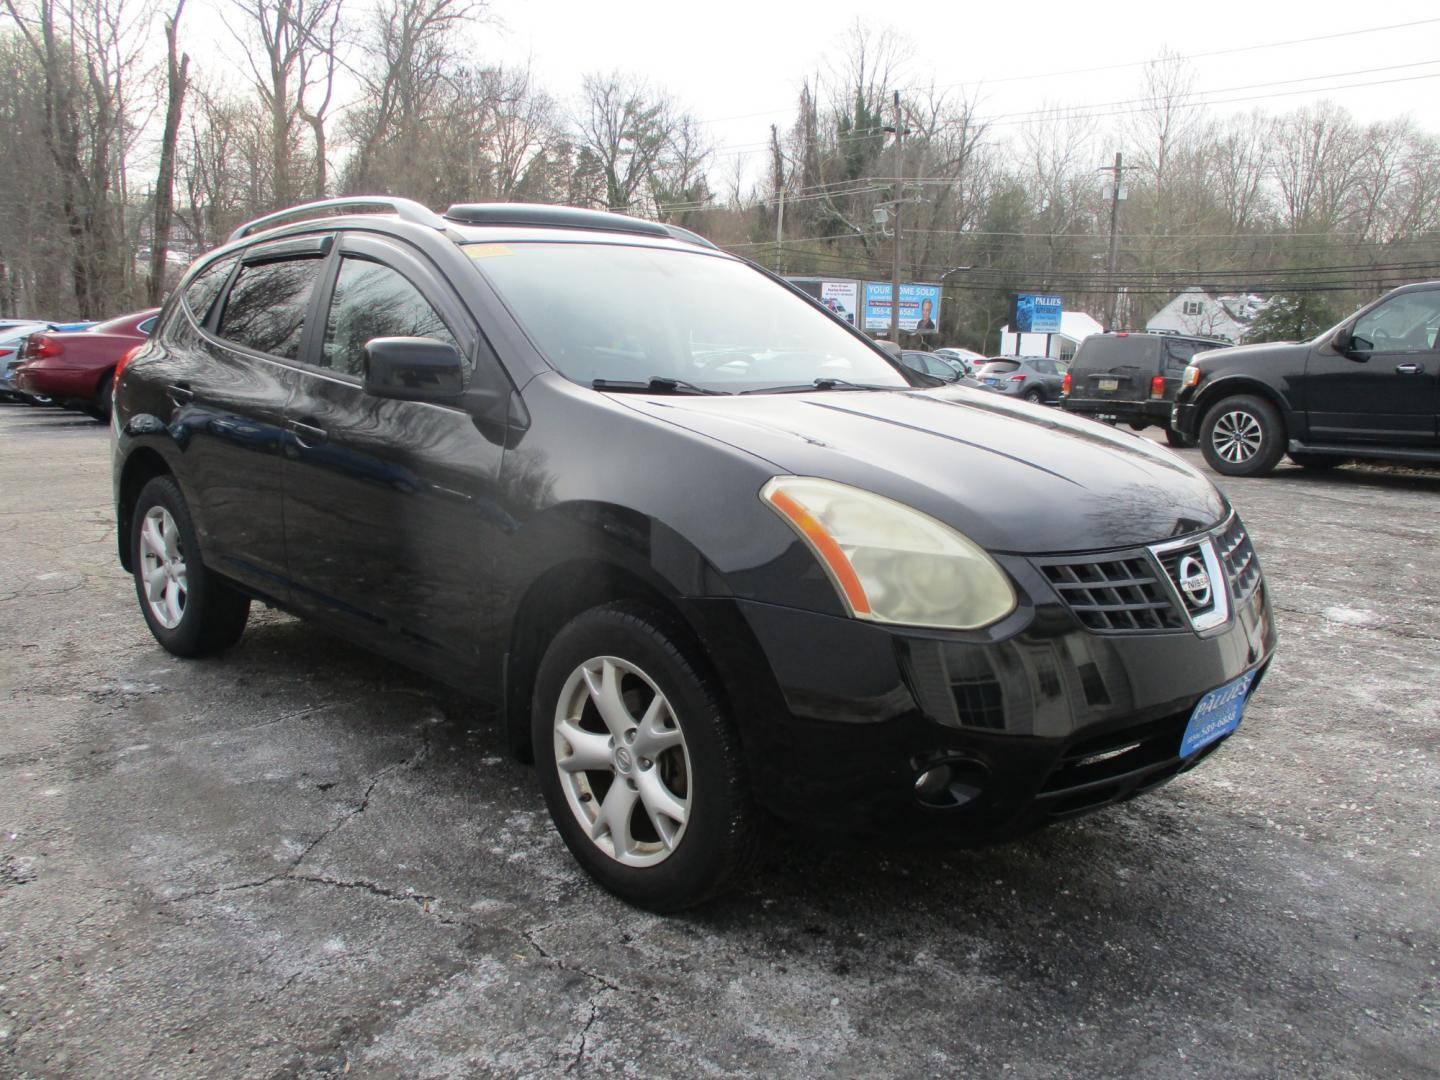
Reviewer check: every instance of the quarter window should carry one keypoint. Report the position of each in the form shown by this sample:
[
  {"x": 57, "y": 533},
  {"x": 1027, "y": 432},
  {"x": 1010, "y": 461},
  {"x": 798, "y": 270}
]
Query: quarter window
[
  {"x": 205, "y": 286},
  {"x": 265, "y": 310},
  {"x": 373, "y": 301}
]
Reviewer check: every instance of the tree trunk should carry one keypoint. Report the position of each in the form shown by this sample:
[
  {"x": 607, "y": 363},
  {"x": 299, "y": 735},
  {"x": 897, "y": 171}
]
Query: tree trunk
[{"x": 175, "y": 80}]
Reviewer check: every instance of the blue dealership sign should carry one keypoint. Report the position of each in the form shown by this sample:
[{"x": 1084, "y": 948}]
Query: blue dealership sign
[
  {"x": 1037, "y": 313},
  {"x": 919, "y": 307}
]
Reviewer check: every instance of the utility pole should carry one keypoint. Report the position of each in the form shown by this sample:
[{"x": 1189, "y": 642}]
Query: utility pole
[
  {"x": 899, "y": 221},
  {"x": 780, "y": 189},
  {"x": 1117, "y": 173}
]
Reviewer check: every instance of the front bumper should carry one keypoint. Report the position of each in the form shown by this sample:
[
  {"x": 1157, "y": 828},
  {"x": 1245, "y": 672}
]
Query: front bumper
[
  {"x": 1185, "y": 418},
  {"x": 840, "y": 718}
]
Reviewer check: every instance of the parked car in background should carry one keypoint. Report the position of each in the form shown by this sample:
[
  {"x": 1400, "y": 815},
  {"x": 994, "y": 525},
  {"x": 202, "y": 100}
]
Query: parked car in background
[
  {"x": 1034, "y": 378},
  {"x": 1368, "y": 388},
  {"x": 13, "y": 333},
  {"x": 76, "y": 368},
  {"x": 705, "y": 547},
  {"x": 1131, "y": 378},
  {"x": 936, "y": 367},
  {"x": 969, "y": 359}
]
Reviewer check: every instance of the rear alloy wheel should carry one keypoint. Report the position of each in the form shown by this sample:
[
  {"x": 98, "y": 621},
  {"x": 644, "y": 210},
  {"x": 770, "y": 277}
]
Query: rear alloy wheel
[
  {"x": 638, "y": 761},
  {"x": 1242, "y": 436},
  {"x": 190, "y": 610},
  {"x": 1035, "y": 396}
]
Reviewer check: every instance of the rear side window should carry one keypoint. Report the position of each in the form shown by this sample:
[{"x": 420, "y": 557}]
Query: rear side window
[
  {"x": 1177, "y": 355},
  {"x": 205, "y": 286},
  {"x": 265, "y": 310},
  {"x": 373, "y": 301}
]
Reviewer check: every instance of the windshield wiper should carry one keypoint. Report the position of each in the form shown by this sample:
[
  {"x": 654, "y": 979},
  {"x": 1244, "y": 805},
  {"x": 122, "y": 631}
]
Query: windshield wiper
[
  {"x": 822, "y": 384},
  {"x": 656, "y": 384}
]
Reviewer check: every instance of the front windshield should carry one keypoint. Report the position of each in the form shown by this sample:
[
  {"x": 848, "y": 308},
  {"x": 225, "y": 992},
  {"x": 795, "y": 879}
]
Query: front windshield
[{"x": 630, "y": 314}]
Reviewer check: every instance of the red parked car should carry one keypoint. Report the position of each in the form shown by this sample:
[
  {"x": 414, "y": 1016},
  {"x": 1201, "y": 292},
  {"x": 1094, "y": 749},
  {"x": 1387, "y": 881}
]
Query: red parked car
[{"x": 76, "y": 369}]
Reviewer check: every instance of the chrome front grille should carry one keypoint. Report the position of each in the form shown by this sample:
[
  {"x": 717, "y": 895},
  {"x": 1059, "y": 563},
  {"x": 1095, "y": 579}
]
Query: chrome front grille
[
  {"x": 1241, "y": 565},
  {"x": 1143, "y": 590},
  {"x": 1114, "y": 594}
]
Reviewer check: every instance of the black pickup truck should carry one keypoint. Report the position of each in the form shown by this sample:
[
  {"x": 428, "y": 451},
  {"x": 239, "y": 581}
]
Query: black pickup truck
[{"x": 1368, "y": 388}]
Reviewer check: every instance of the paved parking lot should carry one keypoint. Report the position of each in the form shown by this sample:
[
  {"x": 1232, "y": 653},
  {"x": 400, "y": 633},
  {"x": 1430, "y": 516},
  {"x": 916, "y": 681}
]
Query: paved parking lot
[{"x": 301, "y": 861}]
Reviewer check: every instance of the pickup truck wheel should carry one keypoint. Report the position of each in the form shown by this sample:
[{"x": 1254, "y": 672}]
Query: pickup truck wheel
[
  {"x": 639, "y": 761},
  {"x": 1242, "y": 436}
]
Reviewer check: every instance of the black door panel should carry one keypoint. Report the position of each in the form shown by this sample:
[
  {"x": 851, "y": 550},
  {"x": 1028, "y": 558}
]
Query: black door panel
[{"x": 387, "y": 513}]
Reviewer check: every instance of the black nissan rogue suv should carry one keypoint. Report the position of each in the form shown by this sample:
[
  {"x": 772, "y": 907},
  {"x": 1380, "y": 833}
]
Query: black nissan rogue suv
[
  {"x": 709, "y": 549},
  {"x": 1368, "y": 388}
]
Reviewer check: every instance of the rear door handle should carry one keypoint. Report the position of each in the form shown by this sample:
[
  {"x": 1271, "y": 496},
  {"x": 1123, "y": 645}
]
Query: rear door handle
[
  {"x": 180, "y": 394},
  {"x": 307, "y": 434},
  {"x": 1409, "y": 369}
]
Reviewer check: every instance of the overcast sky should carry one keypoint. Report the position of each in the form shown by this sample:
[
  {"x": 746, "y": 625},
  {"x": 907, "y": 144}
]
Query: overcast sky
[{"x": 739, "y": 64}]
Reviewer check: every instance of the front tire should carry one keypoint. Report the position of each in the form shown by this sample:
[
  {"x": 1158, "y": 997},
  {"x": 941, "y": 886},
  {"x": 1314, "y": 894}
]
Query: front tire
[
  {"x": 190, "y": 609},
  {"x": 1242, "y": 436},
  {"x": 639, "y": 761}
]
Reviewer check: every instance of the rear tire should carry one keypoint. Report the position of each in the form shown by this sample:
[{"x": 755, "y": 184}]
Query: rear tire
[
  {"x": 639, "y": 763},
  {"x": 1035, "y": 397},
  {"x": 1242, "y": 436},
  {"x": 189, "y": 608}
]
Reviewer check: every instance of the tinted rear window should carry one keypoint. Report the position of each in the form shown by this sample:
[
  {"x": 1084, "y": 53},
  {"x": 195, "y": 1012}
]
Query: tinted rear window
[
  {"x": 1101, "y": 353},
  {"x": 999, "y": 367}
]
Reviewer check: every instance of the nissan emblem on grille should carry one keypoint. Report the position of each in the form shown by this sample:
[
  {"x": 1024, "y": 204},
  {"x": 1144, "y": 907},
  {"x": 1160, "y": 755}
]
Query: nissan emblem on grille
[{"x": 1194, "y": 581}]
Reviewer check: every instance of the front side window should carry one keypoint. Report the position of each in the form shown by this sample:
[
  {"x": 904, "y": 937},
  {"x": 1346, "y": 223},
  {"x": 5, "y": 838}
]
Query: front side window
[
  {"x": 1407, "y": 323},
  {"x": 631, "y": 313},
  {"x": 265, "y": 310},
  {"x": 373, "y": 301}
]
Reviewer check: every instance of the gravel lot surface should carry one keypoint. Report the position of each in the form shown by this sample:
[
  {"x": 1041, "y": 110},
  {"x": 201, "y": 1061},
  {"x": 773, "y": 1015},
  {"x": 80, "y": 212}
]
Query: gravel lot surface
[{"x": 299, "y": 860}]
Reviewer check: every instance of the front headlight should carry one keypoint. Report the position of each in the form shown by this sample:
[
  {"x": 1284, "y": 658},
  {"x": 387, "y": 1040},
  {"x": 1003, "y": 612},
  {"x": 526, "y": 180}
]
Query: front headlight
[
  {"x": 890, "y": 563},
  {"x": 1191, "y": 376}
]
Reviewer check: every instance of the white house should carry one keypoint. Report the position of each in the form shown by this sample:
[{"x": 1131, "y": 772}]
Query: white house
[
  {"x": 1205, "y": 313},
  {"x": 1075, "y": 326}
]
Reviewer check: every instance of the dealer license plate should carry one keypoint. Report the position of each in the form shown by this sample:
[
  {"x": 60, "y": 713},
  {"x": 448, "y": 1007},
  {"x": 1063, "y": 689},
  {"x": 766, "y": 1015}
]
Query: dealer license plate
[
  {"x": 1108, "y": 384},
  {"x": 1217, "y": 715}
]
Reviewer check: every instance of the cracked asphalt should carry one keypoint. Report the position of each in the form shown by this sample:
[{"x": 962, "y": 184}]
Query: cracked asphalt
[{"x": 301, "y": 861}]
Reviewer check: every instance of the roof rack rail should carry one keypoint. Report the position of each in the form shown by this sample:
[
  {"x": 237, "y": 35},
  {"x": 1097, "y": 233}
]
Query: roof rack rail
[
  {"x": 404, "y": 209},
  {"x": 544, "y": 215}
]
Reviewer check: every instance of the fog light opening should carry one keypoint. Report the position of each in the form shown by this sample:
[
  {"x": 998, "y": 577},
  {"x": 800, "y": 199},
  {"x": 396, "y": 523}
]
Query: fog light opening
[{"x": 947, "y": 785}]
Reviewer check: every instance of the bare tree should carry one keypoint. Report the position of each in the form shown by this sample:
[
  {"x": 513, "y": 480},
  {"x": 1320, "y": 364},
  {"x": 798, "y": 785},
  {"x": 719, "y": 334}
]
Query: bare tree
[
  {"x": 177, "y": 74},
  {"x": 627, "y": 128}
]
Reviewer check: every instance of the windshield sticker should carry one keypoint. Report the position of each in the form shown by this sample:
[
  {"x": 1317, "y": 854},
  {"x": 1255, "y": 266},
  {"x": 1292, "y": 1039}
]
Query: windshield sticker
[{"x": 488, "y": 251}]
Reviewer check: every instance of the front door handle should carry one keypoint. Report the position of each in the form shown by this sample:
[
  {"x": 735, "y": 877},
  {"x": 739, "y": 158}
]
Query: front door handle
[
  {"x": 307, "y": 435},
  {"x": 180, "y": 394},
  {"x": 1409, "y": 369}
]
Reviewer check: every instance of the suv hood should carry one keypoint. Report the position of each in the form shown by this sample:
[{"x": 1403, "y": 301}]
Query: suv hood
[
  {"x": 1012, "y": 477},
  {"x": 1250, "y": 354}
]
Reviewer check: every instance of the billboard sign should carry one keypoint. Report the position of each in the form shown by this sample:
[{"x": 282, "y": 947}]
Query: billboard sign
[
  {"x": 919, "y": 307},
  {"x": 1037, "y": 313},
  {"x": 841, "y": 297}
]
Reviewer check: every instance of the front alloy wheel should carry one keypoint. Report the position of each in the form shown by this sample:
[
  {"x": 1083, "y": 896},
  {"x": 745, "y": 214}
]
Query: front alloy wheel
[
  {"x": 622, "y": 761},
  {"x": 1243, "y": 436},
  {"x": 638, "y": 759}
]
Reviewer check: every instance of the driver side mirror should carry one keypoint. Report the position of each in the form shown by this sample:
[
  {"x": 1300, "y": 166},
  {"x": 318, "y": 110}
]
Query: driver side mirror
[
  {"x": 1348, "y": 345},
  {"x": 414, "y": 369}
]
